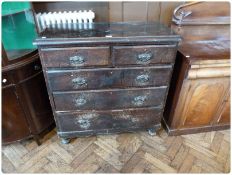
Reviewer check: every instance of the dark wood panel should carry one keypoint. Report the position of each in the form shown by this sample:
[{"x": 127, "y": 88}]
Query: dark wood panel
[
  {"x": 108, "y": 78},
  {"x": 144, "y": 54},
  {"x": 24, "y": 72},
  {"x": 99, "y": 120},
  {"x": 109, "y": 99},
  {"x": 75, "y": 57},
  {"x": 36, "y": 104},
  {"x": 14, "y": 124}
]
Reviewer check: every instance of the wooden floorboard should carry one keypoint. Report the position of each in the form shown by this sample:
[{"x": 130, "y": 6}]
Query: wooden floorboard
[{"x": 122, "y": 153}]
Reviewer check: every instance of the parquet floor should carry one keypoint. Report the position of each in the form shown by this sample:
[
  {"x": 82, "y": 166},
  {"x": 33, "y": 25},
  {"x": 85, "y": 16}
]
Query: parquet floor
[{"x": 125, "y": 153}]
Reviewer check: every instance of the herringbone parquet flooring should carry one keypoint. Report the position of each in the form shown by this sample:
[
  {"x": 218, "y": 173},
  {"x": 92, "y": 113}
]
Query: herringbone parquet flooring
[{"x": 125, "y": 153}]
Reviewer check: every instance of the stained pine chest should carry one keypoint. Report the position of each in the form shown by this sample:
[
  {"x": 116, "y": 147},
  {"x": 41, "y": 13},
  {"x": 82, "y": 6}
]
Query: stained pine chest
[{"x": 111, "y": 77}]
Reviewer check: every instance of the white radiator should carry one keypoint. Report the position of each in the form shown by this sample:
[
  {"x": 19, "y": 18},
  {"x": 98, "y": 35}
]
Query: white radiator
[{"x": 65, "y": 20}]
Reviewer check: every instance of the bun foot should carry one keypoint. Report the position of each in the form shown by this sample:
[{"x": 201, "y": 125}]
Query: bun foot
[
  {"x": 64, "y": 141},
  {"x": 152, "y": 132}
]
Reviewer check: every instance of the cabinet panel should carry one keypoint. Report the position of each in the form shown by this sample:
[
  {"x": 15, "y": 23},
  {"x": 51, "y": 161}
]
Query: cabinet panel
[
  {"x": 200, "y": 101},
  {"x": 225, "y": 115},
  {"x": 14, "y": 123},
  {"x": 33, "y": 94}
]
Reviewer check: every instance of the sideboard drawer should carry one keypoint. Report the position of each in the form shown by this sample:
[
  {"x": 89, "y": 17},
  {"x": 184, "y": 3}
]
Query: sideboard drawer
[
  {"x": 102, "y": 120},
  {"x": 149, "y": 54},
  {"x": 75, "y": 56},
  {"x": 109, "y": 99},
  {"x": 109, "y": 78}
]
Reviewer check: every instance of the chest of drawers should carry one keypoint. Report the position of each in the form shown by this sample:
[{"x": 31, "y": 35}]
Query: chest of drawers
[{"x": 112, "y": 77}]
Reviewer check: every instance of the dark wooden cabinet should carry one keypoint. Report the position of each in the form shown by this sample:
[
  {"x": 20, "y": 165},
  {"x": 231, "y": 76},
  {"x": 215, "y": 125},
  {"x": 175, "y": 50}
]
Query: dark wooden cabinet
[
  {"x": 199, "y": 96},
  {"x": 26, "y": 111},
  {"x": 111, "y": 78}
]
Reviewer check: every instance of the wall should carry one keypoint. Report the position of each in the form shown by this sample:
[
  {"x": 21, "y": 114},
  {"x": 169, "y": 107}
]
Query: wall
[{"x": 142, "y": 11}]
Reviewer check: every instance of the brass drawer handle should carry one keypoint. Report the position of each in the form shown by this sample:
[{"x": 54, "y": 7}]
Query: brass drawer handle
[
  {"x": 80, "y": 101},
  {"x": 144, "y": 57},
  {"x": 79, "y": 81},
  {"x": 76, "y": 60},
  {"x": 142, "y": 78},
  {"x": 139, "y": 100}
]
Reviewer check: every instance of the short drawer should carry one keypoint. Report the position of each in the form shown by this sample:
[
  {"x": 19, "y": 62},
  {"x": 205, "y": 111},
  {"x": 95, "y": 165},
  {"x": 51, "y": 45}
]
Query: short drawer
[
  {"x": 109, "y": 78},
  {"x": 107, "y": 120},
  {"x": 148, "y": 54},
  {"x": 75, "y": 56},
  {"x": 109, "y": 99}
]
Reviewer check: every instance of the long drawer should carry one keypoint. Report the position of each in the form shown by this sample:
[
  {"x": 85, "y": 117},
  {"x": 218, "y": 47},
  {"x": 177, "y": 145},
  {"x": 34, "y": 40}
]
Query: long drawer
[
  {"x": 75, "y": 56},
  {"x": 107, "y": 120},
  {"x": 109, "y": 99},
  {"x": 149, "y": 54},
  {"x": 109, "y": 78}
]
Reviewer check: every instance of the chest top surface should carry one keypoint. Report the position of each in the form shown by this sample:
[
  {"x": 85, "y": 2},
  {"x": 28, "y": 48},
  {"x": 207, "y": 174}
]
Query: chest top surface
[{"x": 106, "y": 32}]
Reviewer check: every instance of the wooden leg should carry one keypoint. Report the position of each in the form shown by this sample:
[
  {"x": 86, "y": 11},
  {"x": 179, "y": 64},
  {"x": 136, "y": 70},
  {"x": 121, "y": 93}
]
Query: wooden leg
[
  {"x": 36, "y": 138},
  {"x": 64, "y": 140}
]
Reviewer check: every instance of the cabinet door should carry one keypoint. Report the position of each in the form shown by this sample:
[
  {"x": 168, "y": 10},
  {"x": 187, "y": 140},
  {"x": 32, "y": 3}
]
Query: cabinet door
[
  {"x": 36, "y": 105},
  {"x": 14, "y": 123},
  {"x": 199, "y": 102},
  {"x": 224, "y": 118}
]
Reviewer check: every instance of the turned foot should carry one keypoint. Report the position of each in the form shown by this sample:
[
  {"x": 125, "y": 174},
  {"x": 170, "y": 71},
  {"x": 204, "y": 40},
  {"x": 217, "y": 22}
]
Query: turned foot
[
  {"x": 64, "y": 140},
  {"x": 37, "y": 139}
]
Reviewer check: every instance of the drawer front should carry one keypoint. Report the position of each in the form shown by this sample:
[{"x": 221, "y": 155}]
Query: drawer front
[
  {"x": 109, "y": 99},
  {"x": 76, "y": 56},
  {"x": 137, "y": 55},
  {"x": 109, "y": 78},
  {"x": 102, "y": 120}
]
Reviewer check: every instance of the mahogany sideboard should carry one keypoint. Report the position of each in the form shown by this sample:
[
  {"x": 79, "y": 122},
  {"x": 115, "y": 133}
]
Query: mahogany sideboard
[
  {"x": 199, "y": 95},
  {"x": 112, "y": 77}
]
